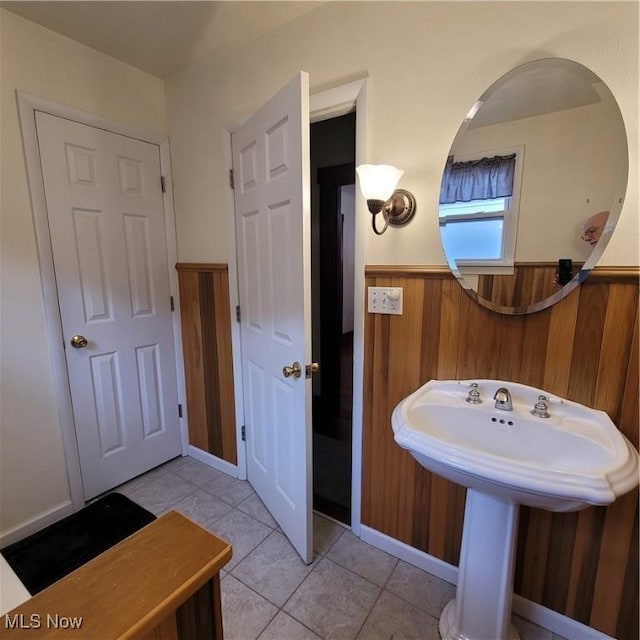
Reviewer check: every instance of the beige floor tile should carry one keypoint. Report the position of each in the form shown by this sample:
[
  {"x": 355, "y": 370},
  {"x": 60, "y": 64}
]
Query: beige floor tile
[
  {"x": 245, "y": 614},
  {"x": 242, "y": 531},
  {"x": 332, "y": 601},
  {"x": 202, "y": 507},
  {"x": 254, "y": 507},
  {"x": 325, "y": 533},
  {"x": 273, "y": 569},
  {"x": 228, "y": 489},
  {"x": 367, "y": 561},
  {"x": 128, "y": 488},
  {"x": 392, "y": 617},
  {"x": 176, "y": 463},
  {"x": 196, "y": 472},
  {"x": 425, "y": 591},
  {"x": 165, "y": 490},
  {"x": 284, "y": 627}
]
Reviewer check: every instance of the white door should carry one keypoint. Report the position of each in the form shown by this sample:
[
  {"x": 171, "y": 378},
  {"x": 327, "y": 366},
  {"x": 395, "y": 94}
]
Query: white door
[
  {"x": 271, "y": 175},
  {"x": 106, "y": 219}
]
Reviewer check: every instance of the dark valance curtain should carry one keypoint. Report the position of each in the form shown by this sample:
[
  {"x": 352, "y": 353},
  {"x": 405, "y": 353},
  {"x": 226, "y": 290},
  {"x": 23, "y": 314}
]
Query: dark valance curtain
[{"x": 477, "y": 179}]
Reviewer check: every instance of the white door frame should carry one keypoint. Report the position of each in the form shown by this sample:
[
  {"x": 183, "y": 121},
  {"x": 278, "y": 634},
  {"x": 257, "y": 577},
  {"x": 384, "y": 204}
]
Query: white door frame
[
  {"x": 323, "y": 105},
  {"x": 27, "y": 105}
]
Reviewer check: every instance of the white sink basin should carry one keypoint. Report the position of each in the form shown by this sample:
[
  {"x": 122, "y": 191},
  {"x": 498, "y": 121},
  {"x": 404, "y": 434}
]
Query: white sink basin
[{"x": 572, "y": 459}]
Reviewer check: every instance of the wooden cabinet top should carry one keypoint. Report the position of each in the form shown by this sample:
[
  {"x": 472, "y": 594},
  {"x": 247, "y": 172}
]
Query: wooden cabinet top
[{"x": 126, "y": 591}]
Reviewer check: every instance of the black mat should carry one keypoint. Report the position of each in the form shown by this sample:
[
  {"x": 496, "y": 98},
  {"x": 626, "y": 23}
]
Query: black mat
[{"x": 50, "y": 554}]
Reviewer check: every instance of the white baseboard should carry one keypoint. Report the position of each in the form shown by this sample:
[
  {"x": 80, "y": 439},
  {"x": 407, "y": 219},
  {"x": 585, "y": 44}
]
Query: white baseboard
[
  {"x": 554, "y": 621},
  {"x": 36, "y": 523},
  {"x": 212, "y": 461},
  {"x": 413, "y": 556},
  {"x": 531, "y": 611}
]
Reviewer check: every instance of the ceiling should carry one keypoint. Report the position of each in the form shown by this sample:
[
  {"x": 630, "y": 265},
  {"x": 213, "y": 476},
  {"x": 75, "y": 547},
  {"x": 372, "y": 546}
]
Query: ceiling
[
  {"x": 160, "y": 37},
  {"x": 538, "y": 88}
]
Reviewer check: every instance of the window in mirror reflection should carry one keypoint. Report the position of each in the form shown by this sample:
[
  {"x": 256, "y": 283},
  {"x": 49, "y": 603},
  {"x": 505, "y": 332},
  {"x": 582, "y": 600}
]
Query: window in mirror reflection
[
  {"x": 474, "y": 230},
  {"x": 478, "y": 211}
]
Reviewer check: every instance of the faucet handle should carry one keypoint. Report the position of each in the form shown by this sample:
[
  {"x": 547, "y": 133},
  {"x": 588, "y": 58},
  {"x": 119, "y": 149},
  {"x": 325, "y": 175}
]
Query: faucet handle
[
  {"x": 474, "y": 394},
  {"x": 541, "y": 408}
]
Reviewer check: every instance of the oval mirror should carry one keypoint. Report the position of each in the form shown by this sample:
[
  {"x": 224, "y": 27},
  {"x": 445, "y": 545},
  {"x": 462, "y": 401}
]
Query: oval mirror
[{"x": 533, "y": 186}]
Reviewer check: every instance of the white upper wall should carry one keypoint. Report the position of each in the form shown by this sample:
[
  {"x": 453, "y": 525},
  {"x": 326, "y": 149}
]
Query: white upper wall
[
  {"x": 33, "y": 476},
  {"x": 573, "y": 161},
  {"x": 428, "y": 63}
]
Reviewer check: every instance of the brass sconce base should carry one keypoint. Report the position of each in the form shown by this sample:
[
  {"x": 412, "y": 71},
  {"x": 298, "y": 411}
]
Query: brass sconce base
[
  {"x": 400, "y": 207},
  {"x": 397, "y": 210}
]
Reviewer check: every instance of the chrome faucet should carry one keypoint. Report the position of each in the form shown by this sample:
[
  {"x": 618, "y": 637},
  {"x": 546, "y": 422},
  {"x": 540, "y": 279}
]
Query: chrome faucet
[{"x": 503, "y": 399}]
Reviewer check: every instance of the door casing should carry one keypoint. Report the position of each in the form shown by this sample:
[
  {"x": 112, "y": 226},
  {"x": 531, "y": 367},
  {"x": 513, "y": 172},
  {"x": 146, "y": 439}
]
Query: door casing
[
  {"x": 27, "y": 105},
  {"x": 323, "y": 105}
]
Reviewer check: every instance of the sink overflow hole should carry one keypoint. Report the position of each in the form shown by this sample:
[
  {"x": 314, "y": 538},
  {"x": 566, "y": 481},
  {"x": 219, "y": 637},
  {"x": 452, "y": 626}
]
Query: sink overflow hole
[{"x": 503, "y": 421}]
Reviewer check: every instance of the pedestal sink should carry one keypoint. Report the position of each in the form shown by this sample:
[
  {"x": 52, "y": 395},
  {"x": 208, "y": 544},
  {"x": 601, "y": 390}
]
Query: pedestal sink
[{"x": 574, "y": 458}]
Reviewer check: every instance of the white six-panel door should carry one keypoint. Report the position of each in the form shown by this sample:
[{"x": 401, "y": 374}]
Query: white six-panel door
[
  {"x": 106, "y": 219},
  {"x": 271, "y": 175}
]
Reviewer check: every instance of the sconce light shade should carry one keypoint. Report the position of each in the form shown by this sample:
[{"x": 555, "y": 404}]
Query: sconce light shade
[
  {"x": 378, "y": 181},
  {"x": 378, "y": 185}
]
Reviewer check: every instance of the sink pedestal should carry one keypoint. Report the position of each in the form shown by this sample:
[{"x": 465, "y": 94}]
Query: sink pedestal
[
  {"x": 506, "y": 459},
  {"x": 482, "y": 606}
]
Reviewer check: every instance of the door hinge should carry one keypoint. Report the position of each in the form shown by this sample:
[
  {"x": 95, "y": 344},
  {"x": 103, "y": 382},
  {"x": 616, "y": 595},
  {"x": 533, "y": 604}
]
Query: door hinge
[
  {"x": 243, "y": 433},
  {"x": 179, "y": 411},
  {"x": 173, "y": 306},
  {"x": 163, "y": 184},
  {"x": 231, "y": 181},
  {"x": 237, "y": 313}
]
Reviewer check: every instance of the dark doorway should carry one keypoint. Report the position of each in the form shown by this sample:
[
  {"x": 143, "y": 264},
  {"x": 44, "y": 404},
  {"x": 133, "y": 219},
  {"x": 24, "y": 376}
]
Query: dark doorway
[{"x": 332, "y": 217}]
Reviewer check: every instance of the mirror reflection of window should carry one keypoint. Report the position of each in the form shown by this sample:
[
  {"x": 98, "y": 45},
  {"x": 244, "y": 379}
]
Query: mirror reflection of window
[
  {"x": 478, "y": 212},
  {"x": 474, "y": 230}
]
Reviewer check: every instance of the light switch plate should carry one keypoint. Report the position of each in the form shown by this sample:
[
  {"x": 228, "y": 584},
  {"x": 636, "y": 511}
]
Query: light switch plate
[{"x": 384, "y": 300}]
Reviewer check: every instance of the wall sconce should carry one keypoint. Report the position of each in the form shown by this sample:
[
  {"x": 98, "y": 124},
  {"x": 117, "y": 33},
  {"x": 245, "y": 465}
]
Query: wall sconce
[{"x": 378, "y": 185}]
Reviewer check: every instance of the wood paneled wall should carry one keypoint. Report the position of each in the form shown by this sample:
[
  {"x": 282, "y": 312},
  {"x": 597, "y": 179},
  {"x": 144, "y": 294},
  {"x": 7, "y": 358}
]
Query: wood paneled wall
[
  {"x": 585, "y": 348},
  {"x": 208, "y": 362},
  {"x": 530, "y": 283}
]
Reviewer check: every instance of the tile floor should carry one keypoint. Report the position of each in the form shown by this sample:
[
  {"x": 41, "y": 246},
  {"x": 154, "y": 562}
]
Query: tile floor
[{"x": 351, "y": 590}]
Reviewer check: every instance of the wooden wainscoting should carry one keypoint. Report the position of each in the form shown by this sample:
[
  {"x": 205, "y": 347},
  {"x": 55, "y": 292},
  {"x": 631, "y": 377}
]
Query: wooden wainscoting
[
  {"x": 530, "y": 283},
  {"x": 585, "y": 348},
  {"x": 208, "y": 362}
]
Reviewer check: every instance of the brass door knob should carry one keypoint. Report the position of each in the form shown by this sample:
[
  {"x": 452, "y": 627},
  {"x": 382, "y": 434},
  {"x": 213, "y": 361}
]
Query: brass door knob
[
  {"x": 294, "y": 370},
  {"x": 79, "y": 342}
]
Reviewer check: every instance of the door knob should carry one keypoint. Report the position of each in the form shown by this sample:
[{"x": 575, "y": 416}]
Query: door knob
[
  {"x": 79, "y": 342},
  {"x": 294, "y": 370}
]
